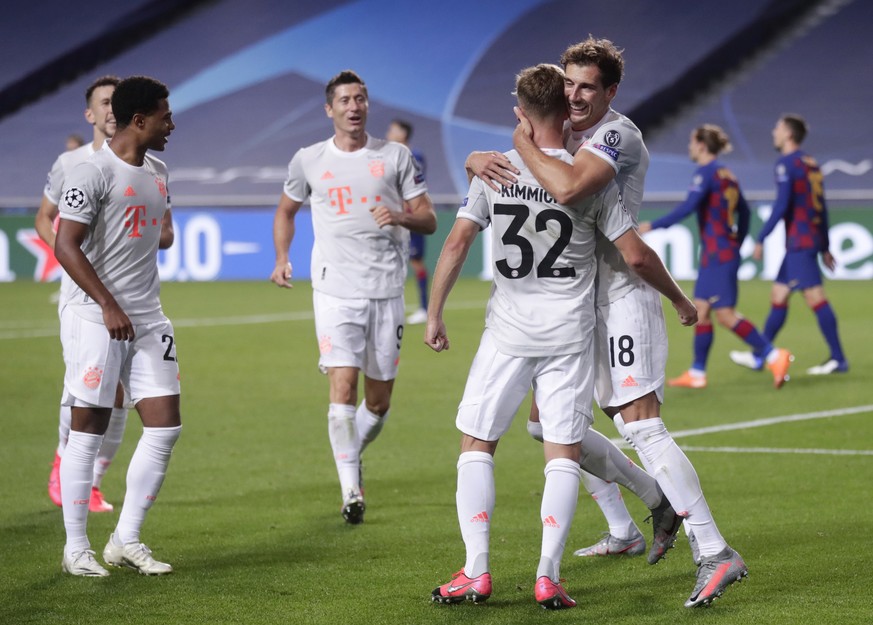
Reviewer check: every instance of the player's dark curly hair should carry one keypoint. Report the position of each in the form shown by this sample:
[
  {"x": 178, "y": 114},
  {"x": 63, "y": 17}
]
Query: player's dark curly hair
[
  {"x": 137, "y": 94},
  {"x": 540, "y": 90},
  {"x": 599, "y": 52},
  {"x": 345, "y": 77},
  {"x": 103, "y": 81}
]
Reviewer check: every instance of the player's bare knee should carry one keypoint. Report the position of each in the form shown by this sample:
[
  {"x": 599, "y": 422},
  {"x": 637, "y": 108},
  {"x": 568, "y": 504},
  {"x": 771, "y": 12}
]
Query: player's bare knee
[
  {"x": 378, "y": 408},
  {"x": 160, "y": 412}
]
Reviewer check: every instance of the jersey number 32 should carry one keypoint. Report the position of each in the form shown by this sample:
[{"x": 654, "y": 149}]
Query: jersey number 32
[{"x": 546, "y": 267}]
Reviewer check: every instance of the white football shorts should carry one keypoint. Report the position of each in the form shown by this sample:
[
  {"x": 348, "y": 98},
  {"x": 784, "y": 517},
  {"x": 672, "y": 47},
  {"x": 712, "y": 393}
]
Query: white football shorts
[
  {"x": 497, "y": 384},
  {"x": 361, "y": 333},
  {"x": 630, "y": 348},
  {"x": 95, "y": 363}
]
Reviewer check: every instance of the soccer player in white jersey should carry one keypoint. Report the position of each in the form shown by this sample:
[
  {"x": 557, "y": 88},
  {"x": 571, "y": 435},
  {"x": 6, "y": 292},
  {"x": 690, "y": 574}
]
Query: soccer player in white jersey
[
  {"x": 632, "y": 345},
  {"x": 604, "y": 464},
  {"x": 98, "y": 112},
  {"x": 356, "y": 185},
  {"x": 539, "y": 327},
  {"x": 112, "y": 326}
]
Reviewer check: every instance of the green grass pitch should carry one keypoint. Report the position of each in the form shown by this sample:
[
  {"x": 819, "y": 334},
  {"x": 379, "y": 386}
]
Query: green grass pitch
[{"x": 249, "y": 513}]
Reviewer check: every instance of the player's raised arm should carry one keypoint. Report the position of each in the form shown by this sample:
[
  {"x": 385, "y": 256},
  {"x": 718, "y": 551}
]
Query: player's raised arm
[{"x": 567, "y": 183}]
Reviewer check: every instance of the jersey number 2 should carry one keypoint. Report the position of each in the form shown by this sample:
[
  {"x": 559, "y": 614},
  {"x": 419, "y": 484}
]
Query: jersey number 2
[{"x": 168, "y": 355}]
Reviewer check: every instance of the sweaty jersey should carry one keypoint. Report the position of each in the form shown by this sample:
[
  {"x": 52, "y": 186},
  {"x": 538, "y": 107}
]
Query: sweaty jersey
[
  {"x": 800, "y": 202},
  {"x": 618, "y": 141},
  {"x": 123, "y": 206},
  {"x": 722, "y": 213},
  {"x": 352, "y": 256},
  {"x": 542, "y": 296}
]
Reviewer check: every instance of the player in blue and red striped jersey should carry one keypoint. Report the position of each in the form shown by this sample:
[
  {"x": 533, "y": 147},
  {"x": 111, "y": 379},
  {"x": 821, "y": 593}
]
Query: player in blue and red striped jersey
[
  {"x": 800, "y": 203},
  {"x": 723, "y": 220}
]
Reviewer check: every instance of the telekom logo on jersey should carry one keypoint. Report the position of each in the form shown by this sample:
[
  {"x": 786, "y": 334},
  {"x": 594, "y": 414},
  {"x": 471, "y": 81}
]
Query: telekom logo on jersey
[
  {"x": 342, "y": 197},
  {"x": 135, "y": 215},
  {"x": 135, "y": 221}
]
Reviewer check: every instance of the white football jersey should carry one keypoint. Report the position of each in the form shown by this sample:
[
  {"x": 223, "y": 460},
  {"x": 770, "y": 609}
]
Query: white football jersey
[
  {"x": 542, "y": 297},
  {"x": 618, "y": 141},
  {"x": 352, "y": 256},
  {"x": 123, "y": 206},
  {"x": 61, "y": 168}
]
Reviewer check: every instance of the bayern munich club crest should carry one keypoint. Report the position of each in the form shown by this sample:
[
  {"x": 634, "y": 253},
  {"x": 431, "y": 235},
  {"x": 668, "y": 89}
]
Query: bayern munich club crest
[
  {"x": 377, "y": 168},
  {"x": 92, "y": 377},
  {"x": 612, "y": 138},
  {"x": 74, "y": 198}
]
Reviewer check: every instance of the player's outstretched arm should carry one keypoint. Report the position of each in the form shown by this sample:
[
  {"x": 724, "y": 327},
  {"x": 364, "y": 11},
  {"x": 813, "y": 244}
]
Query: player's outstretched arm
[
  {"x": 283, "y": 234},
  {"x": 68, "y": 251},
  {"x": 448, "y": 268},
  {"x": 646, "y": 263},
  {"x": 567, "y": 183}
]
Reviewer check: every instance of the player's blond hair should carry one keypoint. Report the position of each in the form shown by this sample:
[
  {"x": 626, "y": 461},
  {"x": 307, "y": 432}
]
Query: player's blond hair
[{"x": 540, "y": 90}]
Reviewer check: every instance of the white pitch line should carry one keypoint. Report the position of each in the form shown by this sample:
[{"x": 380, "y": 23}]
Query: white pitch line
[
  {"x": 243, "y": 320},
  {"x": 205, "y": 322},
  {"x": 35, "y": 333},
  {"x": 757, "y": 423},
  {"x": 777, "y": 450}
]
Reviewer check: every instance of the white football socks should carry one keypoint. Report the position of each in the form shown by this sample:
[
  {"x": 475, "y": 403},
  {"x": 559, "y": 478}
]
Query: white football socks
[
  {"x": 65, "y": 419},
  {"x": 604, "y": 459},
  {"x": 560, "y": 494},
  {"x": 677, "y": 478},
  {"x": 369, "y": 425},
  {"x": 475, "y": 502},
  {"x": 146, "y": 472},
  {"x": 345, "y": 443},
  {"x": 608, "y": 498},
  {"x": 111, "y": 443},
  {"x": 77, "y": 469}
]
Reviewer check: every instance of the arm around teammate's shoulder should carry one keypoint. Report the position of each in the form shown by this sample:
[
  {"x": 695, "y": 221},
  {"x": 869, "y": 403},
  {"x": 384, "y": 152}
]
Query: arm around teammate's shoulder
[{"x": 567, "y": 183}]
